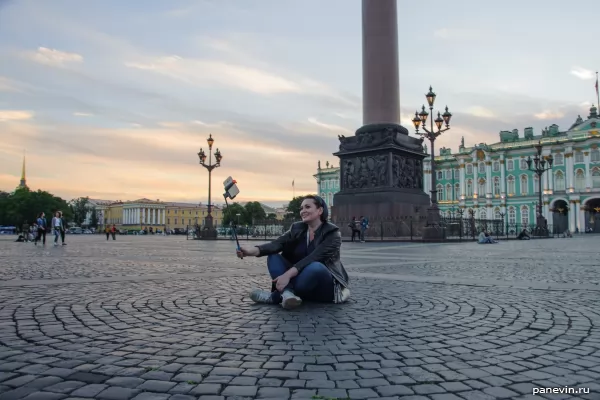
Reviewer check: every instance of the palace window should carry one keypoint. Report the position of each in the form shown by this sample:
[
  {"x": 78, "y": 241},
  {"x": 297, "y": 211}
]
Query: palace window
[
  {"x": 481, "y": 188},
  {"x": 595, "y": 155},
  {"x": 456, "y": 173},
  {"x": 510, "y": 185},
  {"x": 448, "y": 174},
  {"x": 596, "y": 178},
  {"x": 440, "y": 193},
  {"x": 457, "y": 191},
  {"x": 330, "y": 195},
  {"x": 497, "y": 213},
  {"x": 496, "y": 166},
  {"x": 536, "y": 184},
  {"x": 175, "y": 221},
  {"x": 469, "y": 188},
  {"x": 449, "y": 192},
  {"x": 579, "y": 157},
  {"x": 482, "y": 168},
  {"x": 523, "y": 164},
  {"x": 469, "y": 169},
  {"x": 496, "y": 186},
  {"x": 323, "y": 196},
  {"x": 579, "y": 180},
  {"x": 525, "y": 215},
  {"x": 524, "y": 185},
  {"x": 559, "y": 159},
  {"x": 482, "y": 214},
  {"x": 510, "y": 165},
  {"x": 512, "y": 215},
  {"x": 559, "y": 181},
  {"x": 440, "y": 175}
]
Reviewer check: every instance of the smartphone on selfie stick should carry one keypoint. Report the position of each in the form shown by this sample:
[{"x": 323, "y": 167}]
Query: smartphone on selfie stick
[{"x": 231, "y": 190}]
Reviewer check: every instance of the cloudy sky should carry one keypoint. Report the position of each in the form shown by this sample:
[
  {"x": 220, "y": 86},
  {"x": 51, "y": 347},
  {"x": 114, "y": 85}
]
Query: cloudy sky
[{"x": 113, "y": 99}]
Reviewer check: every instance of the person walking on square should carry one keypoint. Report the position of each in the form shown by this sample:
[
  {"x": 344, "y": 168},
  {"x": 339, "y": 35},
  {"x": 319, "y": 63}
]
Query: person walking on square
[
  {"x": 56, "y": 227},
  {"x": 41, "y": 229},
  {"x": 113, "y": 232},
  {"x": 364, "y": 225},
  {"x": 63, "y": 228},
  {"x": 107, "y": 231},
  {"x": 354, "y": 226},
  {"x": 304, "y": 263}
]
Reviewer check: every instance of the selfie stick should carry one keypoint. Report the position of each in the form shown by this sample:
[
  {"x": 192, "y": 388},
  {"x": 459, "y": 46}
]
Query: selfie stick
[{"x": 228, "y": 185}]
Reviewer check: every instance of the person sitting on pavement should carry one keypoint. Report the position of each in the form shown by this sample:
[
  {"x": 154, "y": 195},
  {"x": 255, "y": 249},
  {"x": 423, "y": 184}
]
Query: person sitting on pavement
[
  {"x": 304, "y": 263},
  {"x": 484, "y": 238},
  {"x": 523, "y": 235}
]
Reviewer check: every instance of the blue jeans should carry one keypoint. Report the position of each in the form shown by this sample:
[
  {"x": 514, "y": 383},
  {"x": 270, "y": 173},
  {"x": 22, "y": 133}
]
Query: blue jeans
[{"x": 313, "y": 283}]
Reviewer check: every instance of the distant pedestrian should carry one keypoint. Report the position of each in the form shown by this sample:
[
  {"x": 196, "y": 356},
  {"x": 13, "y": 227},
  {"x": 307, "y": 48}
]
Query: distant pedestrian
[
  {"x": 56, "y": 225},
  {"x": 353, "y": 225},
  {"x": 63, "y": 228},
  {"x": 364, "y": 225},
  {"x": 41, "y": 229},
  {"x": 113, "y": 231}
]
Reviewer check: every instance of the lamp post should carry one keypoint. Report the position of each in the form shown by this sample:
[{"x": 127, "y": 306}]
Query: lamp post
[
  {"x": 210, "y": 232},
  {"x": 538, "y": 166},
  {"x": 431, "y": 134}
]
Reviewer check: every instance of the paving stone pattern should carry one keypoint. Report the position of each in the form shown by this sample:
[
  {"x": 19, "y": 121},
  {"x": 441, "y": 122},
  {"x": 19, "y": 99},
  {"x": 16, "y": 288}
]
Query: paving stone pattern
[{"x": 156, "y": 318}]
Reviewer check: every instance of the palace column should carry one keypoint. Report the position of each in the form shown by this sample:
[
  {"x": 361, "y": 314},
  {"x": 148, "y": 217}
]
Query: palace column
[
  {"x": 488, "y": 178},
  {"x": 570, "y": 173},
  {"x": 461, "y": 167},
  {"x": 381, "y": 82},
  {"x": 588, "y": 173},
  {"x": 581, "y": 213},
  {"x": 152, "y": 215},
  {"x": 572, "y": 215},
  {"x": 502, "y": 176},
  {"x": 128, "y": 216}
]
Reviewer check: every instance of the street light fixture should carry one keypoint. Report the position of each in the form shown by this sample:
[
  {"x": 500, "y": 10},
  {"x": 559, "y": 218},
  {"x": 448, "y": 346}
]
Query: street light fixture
[
  {"x": 210, "y": 231},
  {"x": 419, "y": 121},
  {"x": 539, "y": 165}
]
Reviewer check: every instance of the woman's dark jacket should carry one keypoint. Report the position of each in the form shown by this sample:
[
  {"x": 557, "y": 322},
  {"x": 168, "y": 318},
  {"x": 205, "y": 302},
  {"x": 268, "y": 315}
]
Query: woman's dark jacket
[{"x": 328, "y": 241}]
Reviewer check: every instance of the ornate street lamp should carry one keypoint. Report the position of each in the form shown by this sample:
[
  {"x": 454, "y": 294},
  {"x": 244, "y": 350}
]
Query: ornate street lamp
[
  {"x": 538, "y": 166},
  {"x": 210, "y": 231},
  {"x": 419, "y": 121}
]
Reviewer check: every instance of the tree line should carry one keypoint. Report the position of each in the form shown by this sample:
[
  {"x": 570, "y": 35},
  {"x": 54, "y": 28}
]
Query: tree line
[
  {"x": 253, "y": 212},
  {"x": 22, "y": 207}
]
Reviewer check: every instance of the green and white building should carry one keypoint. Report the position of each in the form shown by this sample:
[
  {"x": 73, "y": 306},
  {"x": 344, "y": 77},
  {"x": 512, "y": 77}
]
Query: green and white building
[
  {"x": 494, "y": 182},
  {"x": 328, "y": 182}
]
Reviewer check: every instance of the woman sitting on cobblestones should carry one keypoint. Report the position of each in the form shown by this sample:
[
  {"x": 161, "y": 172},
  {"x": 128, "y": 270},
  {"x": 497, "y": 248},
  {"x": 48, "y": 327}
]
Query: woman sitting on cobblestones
[{"x": 309, "y": 265}]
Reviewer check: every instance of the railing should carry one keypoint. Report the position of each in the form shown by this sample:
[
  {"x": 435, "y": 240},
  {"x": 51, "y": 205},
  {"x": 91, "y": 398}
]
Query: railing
[{"x": 399, "y": 229}]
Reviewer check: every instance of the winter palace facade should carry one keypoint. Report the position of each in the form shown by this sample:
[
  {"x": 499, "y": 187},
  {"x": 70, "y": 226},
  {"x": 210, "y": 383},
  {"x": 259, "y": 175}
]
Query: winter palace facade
[{"x": 494, "y": 181}]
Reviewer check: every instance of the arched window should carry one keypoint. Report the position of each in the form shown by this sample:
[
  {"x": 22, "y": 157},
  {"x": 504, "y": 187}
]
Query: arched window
[
  {"x": 482, "y": 168},
  {"x": 448, "y": 174},
  {"x": 596, "y": 178},
  {"x": 469, "y": 188},
  {"x": 579, "y": 180},
  {"x": 524, "y": 185},
  {"x": 510, "y": 165},
  {"x": 512, "y": 215},
  {"x": 330, "y": 202},
  {"x": 324, "y": 196},
  {"x": 497, "y": 213},
  {"x": 559, "y": 159},
  {"x": 595, "y": 155},
  {"x": 482, "y": 214},
  {"x": 496, "y": 186},
  {"x": 559, "y": 181},
  {"x": 449, "y": 192},
  {"x": 523, "y": 164},
  {"x": 536, "y": 184},
  {"x": 469, "y": 169},
  {"x": 525, "y": 215},
  {"x": 440, "y": 192},
  {"x": 440, "y": 174},
  {"x": 510, "y": 185},
  {"x": 496, "y": 166},
  {"x": 481, "y": 187},
  {"x": 457, "y": 191}
]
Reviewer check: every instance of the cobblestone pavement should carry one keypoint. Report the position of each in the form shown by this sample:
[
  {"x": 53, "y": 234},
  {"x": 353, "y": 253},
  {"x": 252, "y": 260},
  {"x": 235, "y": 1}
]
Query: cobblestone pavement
[{"x": 156, "y": 318}]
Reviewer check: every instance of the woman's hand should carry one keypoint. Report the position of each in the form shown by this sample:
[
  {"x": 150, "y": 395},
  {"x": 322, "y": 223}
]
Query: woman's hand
[
  {"x": 281, "y": 282},
  {"x": 247, "y": 251}
]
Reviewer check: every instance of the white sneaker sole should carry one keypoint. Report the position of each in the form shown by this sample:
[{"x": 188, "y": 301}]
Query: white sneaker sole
[{"x": 291, "y": 303}]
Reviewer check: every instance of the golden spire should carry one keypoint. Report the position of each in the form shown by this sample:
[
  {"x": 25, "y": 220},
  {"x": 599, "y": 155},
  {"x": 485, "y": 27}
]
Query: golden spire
[{"x": 23, "y": 182}]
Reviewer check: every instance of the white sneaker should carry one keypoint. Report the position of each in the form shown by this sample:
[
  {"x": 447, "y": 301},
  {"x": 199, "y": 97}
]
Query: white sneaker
[
  {"x": 289, "y": 300},
  {"x": 261, "y": 296},
  {"x": 345, "y": 294}
]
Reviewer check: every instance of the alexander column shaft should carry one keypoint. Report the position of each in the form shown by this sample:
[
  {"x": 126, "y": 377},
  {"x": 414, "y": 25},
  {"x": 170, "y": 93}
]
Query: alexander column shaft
[{"x": 381, "y": 82}]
